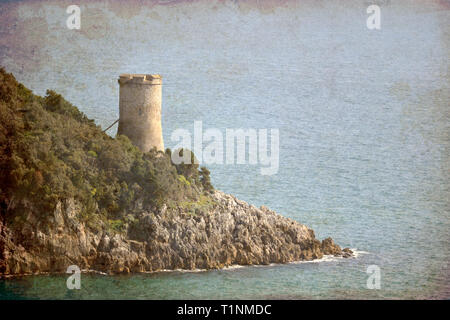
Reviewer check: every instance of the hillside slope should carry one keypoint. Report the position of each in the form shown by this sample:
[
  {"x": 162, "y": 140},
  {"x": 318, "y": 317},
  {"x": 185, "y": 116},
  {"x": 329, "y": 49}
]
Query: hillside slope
[{"x": 70, "y": 194}]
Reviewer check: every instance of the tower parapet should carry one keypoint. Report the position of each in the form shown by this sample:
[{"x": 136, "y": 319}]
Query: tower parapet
[{"x": 140, "y": 98}]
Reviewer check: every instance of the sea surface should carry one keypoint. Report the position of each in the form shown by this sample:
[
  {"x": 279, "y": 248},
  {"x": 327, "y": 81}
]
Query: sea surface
[{"x": 363, "y": 117}]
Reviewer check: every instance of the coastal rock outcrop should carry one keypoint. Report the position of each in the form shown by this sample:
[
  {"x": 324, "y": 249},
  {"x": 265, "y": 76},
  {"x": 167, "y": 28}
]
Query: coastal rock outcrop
[
  {"x": 134, "y": 211},
  {"x": 231, "y": 232}
]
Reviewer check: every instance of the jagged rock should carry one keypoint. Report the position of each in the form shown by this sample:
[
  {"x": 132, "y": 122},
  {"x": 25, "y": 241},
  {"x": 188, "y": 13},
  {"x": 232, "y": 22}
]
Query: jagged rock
[
  {"x": 232, "y": 232},
  {"x": 330, "y": 248},
  {"x": 347, "y": 253}
]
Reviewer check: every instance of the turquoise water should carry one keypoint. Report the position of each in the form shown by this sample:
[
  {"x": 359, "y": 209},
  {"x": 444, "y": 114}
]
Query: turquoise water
[{"x": 364, "y": 131}]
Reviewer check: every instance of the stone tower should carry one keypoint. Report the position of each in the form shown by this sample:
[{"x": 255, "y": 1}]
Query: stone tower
[{"x": 140, "y": 110}]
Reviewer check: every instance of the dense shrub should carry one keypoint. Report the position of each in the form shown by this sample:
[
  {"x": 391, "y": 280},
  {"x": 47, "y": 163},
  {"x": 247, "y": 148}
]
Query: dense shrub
[
  {"x": 205, "y": 179},
  {"x": 190, "y": 169}
]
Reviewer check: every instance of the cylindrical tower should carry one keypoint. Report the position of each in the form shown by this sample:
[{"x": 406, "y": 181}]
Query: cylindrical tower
[{"x": 140, "y": 110}]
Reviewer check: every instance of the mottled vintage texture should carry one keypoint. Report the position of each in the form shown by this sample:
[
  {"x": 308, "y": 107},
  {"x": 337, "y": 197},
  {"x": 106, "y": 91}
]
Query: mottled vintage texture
[
  {"x": 34, "y": 37},
  {"x": 367, "y": 112}
]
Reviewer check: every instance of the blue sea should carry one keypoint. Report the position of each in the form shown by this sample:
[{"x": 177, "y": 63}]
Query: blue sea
[{"x": 363, "y": 117}]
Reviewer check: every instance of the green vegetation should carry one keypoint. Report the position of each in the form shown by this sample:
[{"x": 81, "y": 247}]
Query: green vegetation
[
  {"x": 191, "y": 171},
  {"x": 49, "y": 151},
  {"x": 206, "y": 180},
  {"x": 194, "y": 207}
]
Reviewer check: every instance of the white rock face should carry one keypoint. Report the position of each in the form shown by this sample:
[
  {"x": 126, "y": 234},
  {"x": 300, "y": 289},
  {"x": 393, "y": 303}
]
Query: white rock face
[{"x": 231, "y": 232}]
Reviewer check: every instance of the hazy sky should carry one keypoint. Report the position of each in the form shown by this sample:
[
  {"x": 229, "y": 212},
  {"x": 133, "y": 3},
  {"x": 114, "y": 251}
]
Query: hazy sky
[{"x": 188, "y": 40}]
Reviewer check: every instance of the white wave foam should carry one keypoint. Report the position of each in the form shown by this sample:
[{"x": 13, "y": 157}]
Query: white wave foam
[
  {"x": 330, "y": 258},
  {"x": 357, "y": 253},
  {"x": 325, "y": 258},
  {"x": 94, "y": 271},
  {"x": 232, "y": 267}
]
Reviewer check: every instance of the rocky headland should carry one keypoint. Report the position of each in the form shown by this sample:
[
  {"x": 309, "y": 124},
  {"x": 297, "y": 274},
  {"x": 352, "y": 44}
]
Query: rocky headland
[
  {"x": 72, "y": 195},
  {"x": 232, "y": 232}
]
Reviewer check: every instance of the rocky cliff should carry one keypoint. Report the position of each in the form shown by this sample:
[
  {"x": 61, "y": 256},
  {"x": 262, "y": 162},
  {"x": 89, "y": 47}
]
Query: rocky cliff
[
  {"x": 72, "y": 195},
  {"x": 231, "y": 232}
]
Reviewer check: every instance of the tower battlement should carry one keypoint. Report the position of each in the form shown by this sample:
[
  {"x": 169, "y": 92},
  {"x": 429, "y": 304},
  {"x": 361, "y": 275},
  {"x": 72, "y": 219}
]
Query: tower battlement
[
  {"x": 140, "y": 98},
  {"x": 151, "y": 79}
]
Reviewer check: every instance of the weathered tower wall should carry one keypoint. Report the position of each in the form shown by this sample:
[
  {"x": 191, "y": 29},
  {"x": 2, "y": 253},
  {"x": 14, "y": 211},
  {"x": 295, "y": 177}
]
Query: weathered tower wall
[{"x": 140, "y": 110}]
